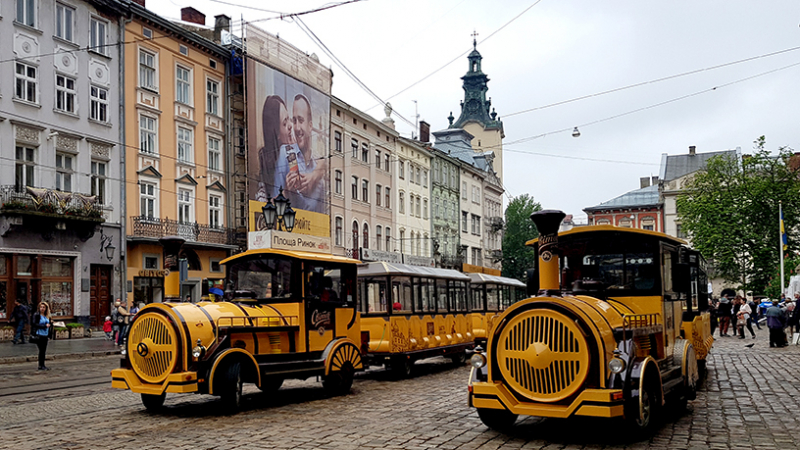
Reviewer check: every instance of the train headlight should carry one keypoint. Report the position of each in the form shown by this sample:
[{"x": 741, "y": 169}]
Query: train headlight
[
  {"x": 616, "y": 365},
  {"x": 198, "y": 350},
  {"x": 478, "y": 360}
]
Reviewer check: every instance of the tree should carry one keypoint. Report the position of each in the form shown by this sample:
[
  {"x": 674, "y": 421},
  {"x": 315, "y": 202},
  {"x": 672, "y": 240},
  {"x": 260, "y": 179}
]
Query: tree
[
  {"x": 730, "y": 211},
  {"x": 517, "y": 258}
]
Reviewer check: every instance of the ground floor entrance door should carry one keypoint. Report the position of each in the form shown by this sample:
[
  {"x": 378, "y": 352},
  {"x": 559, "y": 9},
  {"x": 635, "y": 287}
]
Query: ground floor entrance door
[{"x": 100, "y": 294}]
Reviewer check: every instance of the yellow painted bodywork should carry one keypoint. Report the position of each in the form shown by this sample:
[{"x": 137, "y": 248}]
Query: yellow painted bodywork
[
  {"x": 400, "y": 333},
  {"x": 482, "y": 323},
  {"x": 602, "y": 404},
  {"x": 182, "y": 382},
  {"x": 698, "y": 332}
]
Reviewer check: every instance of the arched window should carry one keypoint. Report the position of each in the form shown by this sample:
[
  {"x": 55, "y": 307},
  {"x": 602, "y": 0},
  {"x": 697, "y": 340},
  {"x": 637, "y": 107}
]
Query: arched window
[
  {"x": 192, "y": 259},
  {"x": 355, "y": 234},
  {"x": 366, "y": 236},
  {"x": 378, "y": 237}
]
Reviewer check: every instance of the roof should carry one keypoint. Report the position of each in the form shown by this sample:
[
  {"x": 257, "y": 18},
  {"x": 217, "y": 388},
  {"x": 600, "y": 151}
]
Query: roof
[
  {"x": 293, "y": 254},
  {"x": 482, "y": 278},
  {"x": 612, "y": 228},
  {"x": 676, "y": 166},
  {"x": 384, "y": 268},
  {"x": 647, "y": 196}
]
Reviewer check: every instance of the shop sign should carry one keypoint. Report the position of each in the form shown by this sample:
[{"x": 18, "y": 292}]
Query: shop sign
[
  {"x": 307, "y": 223},
  {"x": 281, "y": 240},
  {"x": 153, "y": 273},
  {"x": 423, "y": 261},
  {"x": 368, "y": 254}
]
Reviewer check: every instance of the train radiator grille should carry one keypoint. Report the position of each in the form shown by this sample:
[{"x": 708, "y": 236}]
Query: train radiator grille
[
  {"x": 542, "y": 355},
  {"x": 152, "y": 348}
]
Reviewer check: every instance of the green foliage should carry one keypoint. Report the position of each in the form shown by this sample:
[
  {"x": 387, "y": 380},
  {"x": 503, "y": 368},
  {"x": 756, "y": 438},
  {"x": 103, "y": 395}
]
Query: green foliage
[
  {"x": 74, "y": 325},
  {"x": 773, "y": 289},
  {"x": 519, "y": 228},
  {"x": 730, "y": 211}
]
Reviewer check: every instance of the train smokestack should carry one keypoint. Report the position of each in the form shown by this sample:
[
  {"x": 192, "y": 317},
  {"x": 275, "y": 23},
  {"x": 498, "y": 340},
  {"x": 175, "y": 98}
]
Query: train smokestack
[{"x": 548, "y": 222}]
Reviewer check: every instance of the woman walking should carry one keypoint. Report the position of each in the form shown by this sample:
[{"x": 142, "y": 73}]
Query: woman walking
[
  {"x": 41, "y": 327},
  {"x": 743, "y": 318}
]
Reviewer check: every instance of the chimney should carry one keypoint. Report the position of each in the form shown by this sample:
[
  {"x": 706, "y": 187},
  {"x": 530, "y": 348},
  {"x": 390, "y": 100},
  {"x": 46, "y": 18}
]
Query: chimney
[
  {"x": 139, "y": 2},
  {"x": 644, "y": 182},
  {"x": 192, "y": 15},
  {"x": 655, "y": 180},
  {"x": 221, "y": 22},
  {"x": 692, "y": 150},
  {"x": 424, "y": 131}
]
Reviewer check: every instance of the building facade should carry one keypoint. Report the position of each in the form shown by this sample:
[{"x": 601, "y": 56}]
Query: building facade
[
  {"x": 175, "y": 107},
  {"x": 640, "y": 208},
  {"x": 62, "y": 214},
  {"x": 362, "y": 165},
  {"x": 412, "y": 182},
  {"x": 447, "y": 248}
]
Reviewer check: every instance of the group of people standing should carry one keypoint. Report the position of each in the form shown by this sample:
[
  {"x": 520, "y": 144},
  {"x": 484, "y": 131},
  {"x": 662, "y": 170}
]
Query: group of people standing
[
  {"x": 737, "y": 314},
  {"x": 734, "y": 316},
  {"x": 118, "y": 324}
]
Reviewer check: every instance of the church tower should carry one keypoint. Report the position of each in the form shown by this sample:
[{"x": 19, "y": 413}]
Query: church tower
[{"x": 477, "y": 116}]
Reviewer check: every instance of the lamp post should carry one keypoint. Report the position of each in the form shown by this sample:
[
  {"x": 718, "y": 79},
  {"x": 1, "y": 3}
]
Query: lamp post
[{"x": 280, "y": 212}]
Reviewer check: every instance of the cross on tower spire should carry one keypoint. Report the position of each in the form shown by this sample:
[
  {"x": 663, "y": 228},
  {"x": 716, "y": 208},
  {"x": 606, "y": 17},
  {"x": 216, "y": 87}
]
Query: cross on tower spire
[{"x": 474, "y": 39}]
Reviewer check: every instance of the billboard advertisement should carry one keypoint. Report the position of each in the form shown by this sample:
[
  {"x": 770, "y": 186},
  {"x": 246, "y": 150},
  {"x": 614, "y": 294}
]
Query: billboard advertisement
[{"x": 288, "y": 124}]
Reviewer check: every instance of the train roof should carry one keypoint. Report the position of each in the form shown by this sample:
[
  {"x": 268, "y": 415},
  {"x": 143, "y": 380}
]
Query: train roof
[
  {"x": 482, "y": 278},
  {"x": 605, "y": 229},
  {"x": 293, "y": 254},
  {"x": 386, "y": 268}
]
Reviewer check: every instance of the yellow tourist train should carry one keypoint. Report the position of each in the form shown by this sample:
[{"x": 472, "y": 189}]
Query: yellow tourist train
[{"x": 619, "y": 328}]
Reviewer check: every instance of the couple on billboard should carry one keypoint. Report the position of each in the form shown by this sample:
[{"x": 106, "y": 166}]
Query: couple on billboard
[{"x": 287, "y": 159}]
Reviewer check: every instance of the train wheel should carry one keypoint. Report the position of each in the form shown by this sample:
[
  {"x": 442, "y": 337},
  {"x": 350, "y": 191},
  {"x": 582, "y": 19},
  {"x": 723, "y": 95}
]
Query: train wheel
[
  {"x": 340, "y": 381},
  {"x": 645, "y": 411},
  {"x": 459, "y": 358},
  {"x": 153, "y": 403},
  {"x": 231, "y": 387},
  {"x": 402, "y": 366},
  {"x": 271, "y": 384},
  {"x": 497, "y": 419}
]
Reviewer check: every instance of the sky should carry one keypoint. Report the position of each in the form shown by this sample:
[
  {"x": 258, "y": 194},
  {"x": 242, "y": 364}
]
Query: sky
[{"x": 542, "y": 55}]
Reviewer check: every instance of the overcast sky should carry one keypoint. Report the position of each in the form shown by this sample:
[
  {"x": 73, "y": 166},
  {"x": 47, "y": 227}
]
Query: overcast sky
[{"x": 556, "y": 51}]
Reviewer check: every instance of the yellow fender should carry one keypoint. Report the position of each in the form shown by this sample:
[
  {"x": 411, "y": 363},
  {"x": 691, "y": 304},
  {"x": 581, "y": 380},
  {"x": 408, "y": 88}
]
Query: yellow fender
[
  {"x": 340, "y": 351},
  {"x": 221, "y": 357}
]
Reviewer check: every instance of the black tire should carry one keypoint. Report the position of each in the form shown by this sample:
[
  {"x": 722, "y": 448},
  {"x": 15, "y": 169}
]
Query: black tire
[
  {"x": 402, "y": 367},
  {"x": 643, "y": 420},
  {"x": 153, "y": 403},
  {"x": 230, "y": 387},
  {"x": 497, "y": 419},
  {"x": 271, "y": 384},
  {"x": 459, "y": 358},
  {"x": 340, "y": 381}
]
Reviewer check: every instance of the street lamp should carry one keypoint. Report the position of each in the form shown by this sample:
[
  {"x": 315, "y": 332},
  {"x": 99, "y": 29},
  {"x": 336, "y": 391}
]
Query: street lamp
[
  {"x": 280, "y": 212},
  {"x": 110, "y": 251}
]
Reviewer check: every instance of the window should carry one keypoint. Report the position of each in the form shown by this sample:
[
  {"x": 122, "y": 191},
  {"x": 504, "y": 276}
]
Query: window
[
  {"x": 418, "y": 207},
  {"x": 463, "y": 190},
  {"x": 378, "y": 237},
  {"x": 365, "y": 152},
  {"x": 648, "y": 223},
  {"x": 411, "y": 172},
  {"x": 464, "y": 221},
  {"x": 388, "y": 239},
  {"x": 425, "y": 209},
  {"x": 183, "y": 86},
  {"x": 476, "y": 257},
  {"x": 214, "y": 212},
  {"x": 388, "y": 203},
  {"x": 184, "y": 50},
  {"x": 98, "y": 36},
  {"x": 402, "y": 241},
  {"x": 65, "y": 22},
  {"x": 338, "y": 231},
  {"x": 26, "y": 79},
  {"x": 338, "y": 181},
  {"x": 147, "y": 135},
  {"x": 185, "y": 145},
  {"x": 476, "y": 225},
  {"x": 436, "y": 208},
  {"x": 402, "y": 167},
  {"x": 147, "y": 70},
  {"x": 365, "y": 191},
  {"x": 99, "y": 171},
  {"x": 184, "y": 206},
  {"x": 366, "y": 236},
  {"x": 147, "y": 200},
  {"x": 378, "y": 195},
  {"x": 355, "y": 234},
  {"x": 378, "y": 159},
  {"x": 425, "y": 178},
  {"x": 151, "y": 262},
  {"x": 678, "y": 230},
  {"x": 419, "y": 177},
  {"x": 212, "y": 97},
  {"x": 337, "y": 141},
  {"x": 354, "y": 146},
  {"x": 98, "y": 108},
  {"x": 26, "y": 12},
  {"x": 65, "y": 94},
  {"x": 25, "y": 167},
  {"x": 354, "y": 187},
  {"x": 147, "y": 33},
  {"x": 402, "y": 203},
  {"x": 64, "y": 168},
  {"x": 476, "y": 194},
  {"x": 214, "y": 154},
  {"x": 386, "y": 162}
]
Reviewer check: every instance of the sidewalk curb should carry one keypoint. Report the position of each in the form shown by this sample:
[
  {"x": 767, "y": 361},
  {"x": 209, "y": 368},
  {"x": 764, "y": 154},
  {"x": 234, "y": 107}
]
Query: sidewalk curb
[{"x": 35, "y": 358}]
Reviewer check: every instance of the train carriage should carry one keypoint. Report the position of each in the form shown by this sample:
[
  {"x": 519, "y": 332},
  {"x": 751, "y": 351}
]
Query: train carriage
[
  {"x": 620, "y": 327},
  {"x": 489, "y": 296},
  {"x": 289, "y": 314}
]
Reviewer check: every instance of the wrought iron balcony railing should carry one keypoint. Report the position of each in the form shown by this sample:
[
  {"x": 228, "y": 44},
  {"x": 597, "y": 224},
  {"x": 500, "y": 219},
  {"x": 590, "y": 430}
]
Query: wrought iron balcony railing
[
  {"x": 151, "y": 227},
  {"x": 26, "y": 200}
]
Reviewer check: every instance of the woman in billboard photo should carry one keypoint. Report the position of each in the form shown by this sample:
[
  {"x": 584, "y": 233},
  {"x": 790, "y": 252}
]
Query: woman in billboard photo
[{"x": 277, "y": 128}]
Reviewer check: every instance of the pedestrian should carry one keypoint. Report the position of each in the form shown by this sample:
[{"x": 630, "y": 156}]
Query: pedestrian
[
  {"x": 124, "y": 321},
  {"x": 776, "y": 321},
  {"x": 743, "y": 318},
  {"x": 41, "y": 329},
  {"x": 724, "y": 312},
  {"x": 116, "y": 321},
  {"x": 753, "y": 314},
  {"x": 712, "y": 309},
  {"x": 794, "y": 319},
  {"x": 19, "y": 318},
  {"x": 108, "y": 328}
]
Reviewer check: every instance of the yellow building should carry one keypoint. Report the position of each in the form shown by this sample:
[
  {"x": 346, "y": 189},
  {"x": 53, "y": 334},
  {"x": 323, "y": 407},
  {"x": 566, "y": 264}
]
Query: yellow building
[{"x": 175, "y": 165}]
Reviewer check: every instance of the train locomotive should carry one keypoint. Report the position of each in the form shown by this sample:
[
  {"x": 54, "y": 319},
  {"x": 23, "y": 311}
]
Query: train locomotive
[{"x": 620, "y": 327}]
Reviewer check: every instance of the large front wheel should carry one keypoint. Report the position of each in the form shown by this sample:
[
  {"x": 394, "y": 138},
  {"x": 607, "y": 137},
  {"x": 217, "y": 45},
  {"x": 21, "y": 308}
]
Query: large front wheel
[
  {"x": 230, "y": 388},
  {"x": 497, "y": 419},
  {"x": 153, "y": 403},
  {"x": 340, "y": 381},
  {"x": 644, "y": 412}
]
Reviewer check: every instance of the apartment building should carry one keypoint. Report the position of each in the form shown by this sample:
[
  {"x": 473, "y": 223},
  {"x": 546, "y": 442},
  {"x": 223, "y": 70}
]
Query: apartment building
[
  {"x": 175, "y": 107},
  {"x": 62, "y": 214},
  {"x": 412, "y": 182}
]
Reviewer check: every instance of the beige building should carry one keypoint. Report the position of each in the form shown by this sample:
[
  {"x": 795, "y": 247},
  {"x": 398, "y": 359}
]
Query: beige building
[
  {"x": 362, "y": 162},
  {"x": 412, "y": 183}
]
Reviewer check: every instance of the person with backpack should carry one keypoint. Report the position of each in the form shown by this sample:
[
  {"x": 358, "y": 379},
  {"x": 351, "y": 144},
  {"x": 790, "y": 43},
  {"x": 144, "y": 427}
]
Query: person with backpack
[
  {"x": 123, "y": 320},
  {"x": 19, "y": 318}
]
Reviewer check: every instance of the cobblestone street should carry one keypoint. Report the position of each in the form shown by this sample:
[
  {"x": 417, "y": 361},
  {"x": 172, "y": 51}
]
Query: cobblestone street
[{"x": 748, "y": 401}]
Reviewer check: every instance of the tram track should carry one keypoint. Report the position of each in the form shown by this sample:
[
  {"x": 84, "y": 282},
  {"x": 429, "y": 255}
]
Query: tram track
[{"x": 43, "y": 388}]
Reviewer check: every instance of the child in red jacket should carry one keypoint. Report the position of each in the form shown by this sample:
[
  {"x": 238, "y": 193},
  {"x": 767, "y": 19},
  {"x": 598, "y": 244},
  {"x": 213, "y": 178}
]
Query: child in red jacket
[{"x": 107, "y": 328}]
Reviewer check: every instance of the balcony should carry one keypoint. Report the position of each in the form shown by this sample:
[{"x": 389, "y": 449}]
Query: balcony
[
  {"x": 47, "y": 210},
  {"x": 153, "y": 228}
]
